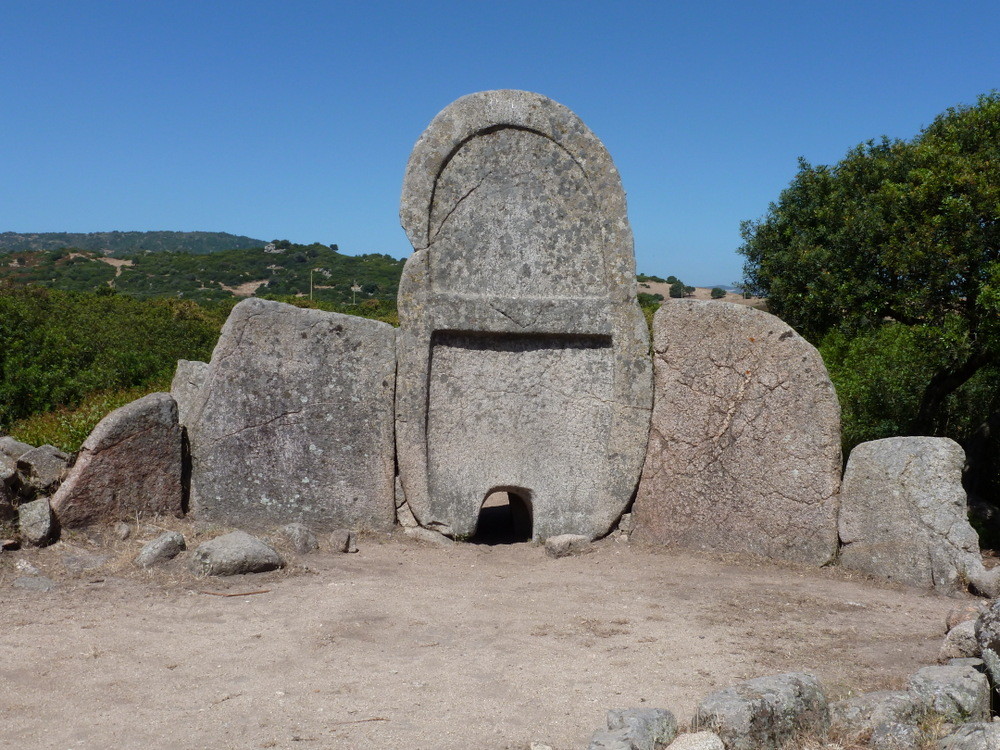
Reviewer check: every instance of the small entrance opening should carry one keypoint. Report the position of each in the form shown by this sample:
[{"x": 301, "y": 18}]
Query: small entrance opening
[{"x": 504, "y": 518}]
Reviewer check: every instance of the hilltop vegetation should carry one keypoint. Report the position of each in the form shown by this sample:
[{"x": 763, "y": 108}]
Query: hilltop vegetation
[
  {"x": 119, "y": 243},
  {"x": 213, "y": 277}
]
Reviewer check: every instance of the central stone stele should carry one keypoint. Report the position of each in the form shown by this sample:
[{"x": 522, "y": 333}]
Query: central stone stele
[{"x": 523, "y": 355}]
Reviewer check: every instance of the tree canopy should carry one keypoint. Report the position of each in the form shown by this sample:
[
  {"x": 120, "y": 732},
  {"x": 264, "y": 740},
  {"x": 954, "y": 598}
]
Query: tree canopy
[{"x": 898, "y": 233}]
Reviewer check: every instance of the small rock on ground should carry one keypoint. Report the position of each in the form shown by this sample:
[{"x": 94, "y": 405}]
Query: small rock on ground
[
  {"x": 697, "y": 741},
  {"x": 122, "y": 530},
  {"x": 566, "y": 544},
  {"x": 165, "y": 547},
  {"x": 954, "y": 693},
  {"x": 645, "y": 728},
  {"x": 233, "y": 554},
  {"x": 960, "y": 642},
  {"x": 301, "y": 538},
  {"x": 36, "y": 522},
  {"x": 343, "y": 540},
  {"x": 34, "y": 583}
]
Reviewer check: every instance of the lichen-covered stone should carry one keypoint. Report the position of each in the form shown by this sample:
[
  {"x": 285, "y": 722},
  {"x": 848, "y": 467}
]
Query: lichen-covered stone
[
  {"x": 903, "y": 514},
  {"x": 235, "y": 553},
  {"x": 765, "y": 713},
  {"x": 130, "y": 463},
  {"x": 523, "y": 355},
  {"x": 744, "y": 447},
  {"x": 960, "y": 643},
  {"x": 294, "y": 421},
  {"x": 645, "y": 728},
  {"x": 36, "y": 523},
  {"x": 976, "y": 735},
  {"x": 186, "y": 385},
  {"x": 952, "y": 693},
  {"x": 41, "y": 469}
]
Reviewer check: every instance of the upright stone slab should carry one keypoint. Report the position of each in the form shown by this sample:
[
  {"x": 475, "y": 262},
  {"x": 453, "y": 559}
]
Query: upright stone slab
[
  {"x": 293, "y": 421},
  {"x": 186, "y": 385},
  {"x": 744, "y": 448},
  {"x": 130, "y": 463},
  {"x": 523, "y": 355},
  {"x": 903, "y": 514}
]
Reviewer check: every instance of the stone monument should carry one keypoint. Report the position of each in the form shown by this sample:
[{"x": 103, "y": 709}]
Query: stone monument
[{"x": 523, "y": 355}]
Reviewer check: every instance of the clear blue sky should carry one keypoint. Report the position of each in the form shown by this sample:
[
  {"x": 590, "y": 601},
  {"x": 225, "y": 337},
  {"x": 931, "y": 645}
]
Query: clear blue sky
[{"x": 295, "y": 119}]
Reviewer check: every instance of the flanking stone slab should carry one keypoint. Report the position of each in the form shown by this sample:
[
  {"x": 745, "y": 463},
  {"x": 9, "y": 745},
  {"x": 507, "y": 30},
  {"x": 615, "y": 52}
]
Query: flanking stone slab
[
  {"x": 904, "y": 516},
  {"x": 523, "y": 354},
  {"x": 744, "y": 448},
  {"x": 130, "y": 463},
  {"x": 294, "y": 421},
  {"x": 186, "y": 385}
]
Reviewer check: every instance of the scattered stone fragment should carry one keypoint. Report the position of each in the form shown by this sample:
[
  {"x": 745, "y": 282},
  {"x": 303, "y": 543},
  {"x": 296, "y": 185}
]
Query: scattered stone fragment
[
  {"x": 40, "y": 469},
  {"x": 36, "y": 522},
  {"x": 130, "y": 463},
  {"x": 903, "y": 514},
  {"x": 233, "y": 554},
  {"x": 697, "y": 741},
  {"x": 978, "y": 735},
  {"x": 189, "y": 377},
  {"x": 294, "y": 421},
  {"x": 965, "y": 611},
  {"x": 27, "y": 568},
  {"x": 960, "y": 642},
  {"x": 953, "y": 693},
  {"x": 13, "y": 448},
  {"x": 645, "y": 728},
  {"x": 764, "y": 713},
  {"x": 300, "y": 536},
  {"x": 887, "y": 718},
  {"x": 165, "y": 547},
  {"x": 34, "y": 583},
  {"x": 122, "y": 530},
  {"x": 343, "y": 540},
  {"x": 429, "y": 536},
  {"x": 565, "y": 545},
  {"x": 520, "y": 292}
]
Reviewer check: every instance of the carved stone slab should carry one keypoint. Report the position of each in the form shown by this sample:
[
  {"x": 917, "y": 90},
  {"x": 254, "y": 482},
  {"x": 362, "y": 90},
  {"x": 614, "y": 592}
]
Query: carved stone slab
[{"x": 523, "y": 355}]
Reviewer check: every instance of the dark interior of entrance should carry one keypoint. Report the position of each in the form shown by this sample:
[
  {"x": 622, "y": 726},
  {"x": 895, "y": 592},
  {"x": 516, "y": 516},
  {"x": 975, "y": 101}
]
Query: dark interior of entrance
[{"x": 504, "y": 518}]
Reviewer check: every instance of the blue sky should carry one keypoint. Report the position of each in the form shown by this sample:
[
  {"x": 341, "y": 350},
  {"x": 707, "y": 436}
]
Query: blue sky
[{"x": 295, "y": 119}]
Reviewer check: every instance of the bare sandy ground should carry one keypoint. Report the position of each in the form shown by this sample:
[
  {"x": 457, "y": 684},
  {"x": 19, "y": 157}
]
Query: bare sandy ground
[{"x": 411, "y": 646}]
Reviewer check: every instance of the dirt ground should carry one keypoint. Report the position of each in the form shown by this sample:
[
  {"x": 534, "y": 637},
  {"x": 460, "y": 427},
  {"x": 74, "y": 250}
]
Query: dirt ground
[{"x": 406, "y": 645}]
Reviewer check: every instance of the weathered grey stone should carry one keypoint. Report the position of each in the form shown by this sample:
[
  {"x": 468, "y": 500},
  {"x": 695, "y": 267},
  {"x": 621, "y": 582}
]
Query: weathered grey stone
[
  {"x": 165, "y": 547},
  {"x": 960, "y": 642},
  {"x": 233, "y": 554},
  {"x": 186, "y": 385},
  {"x": 697, "y": 741},
  {"x": 978, "y": 735},
  {"x": 300, "y": 536},
  {"x": 903, "y": 514},
  {"x": 978, "y": 664},
  {"x": 565, "y": 545},
  {"x": 744, "y": 448},
  {"x": 953, "y": 693},
  {"x": 13, "y": 448},
  {"x": 343, "y": 540},
  {"x": 294, "y": 421},
  {"x": 763, "y": 713},
  {"x": 34, "y": 583},
  {"x": 122, "y": 530},
  {"x": 130, "y": 463},
  {"x": 626, "y": 524},
  {"x": 970, "y": 610},
  {"x": 887, "y": 719},
  {"x": 40, "y": 469},
  {"x": 36, "y": 523},
  {"x": 988, "y": 638},
  {"x": 523, "y": 355},
  {"x": 81, "y": 561},
  {"x": 429, "y": 536},
  {"x": 645, "y": 728}
]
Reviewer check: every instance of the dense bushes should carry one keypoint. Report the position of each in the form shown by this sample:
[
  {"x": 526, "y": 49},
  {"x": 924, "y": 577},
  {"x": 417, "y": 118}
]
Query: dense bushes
[{"x": 57, "y": 347}]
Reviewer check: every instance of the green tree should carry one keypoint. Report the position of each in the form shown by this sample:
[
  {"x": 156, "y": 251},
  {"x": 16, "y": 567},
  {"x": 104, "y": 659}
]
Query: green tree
[
  {"x": 677, "y": 289},
  {"x": 718, "y": 292},
  {"x": 897, "y": 233}
]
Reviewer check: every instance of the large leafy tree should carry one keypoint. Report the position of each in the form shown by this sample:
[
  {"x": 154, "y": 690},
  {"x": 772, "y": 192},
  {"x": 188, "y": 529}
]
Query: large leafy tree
[{"x": 898, "y": 233}]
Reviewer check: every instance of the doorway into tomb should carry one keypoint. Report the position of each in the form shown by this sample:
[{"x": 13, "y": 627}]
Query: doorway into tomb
[{"x": 504, "y": 517}]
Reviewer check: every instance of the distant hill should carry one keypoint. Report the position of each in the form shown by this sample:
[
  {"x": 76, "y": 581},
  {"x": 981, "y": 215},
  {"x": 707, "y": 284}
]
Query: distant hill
[
  {"x": 276, "y": 269},
  {"x": 121, "y": 243}
]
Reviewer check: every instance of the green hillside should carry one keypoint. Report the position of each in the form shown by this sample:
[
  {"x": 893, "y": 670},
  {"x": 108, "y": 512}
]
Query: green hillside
[
  {"x": 285, "y": 271},
  {"x": 119, "y": 243}
]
